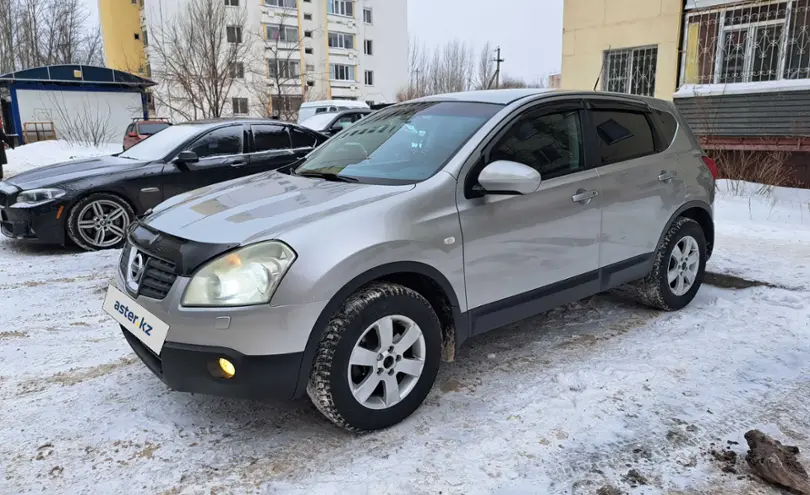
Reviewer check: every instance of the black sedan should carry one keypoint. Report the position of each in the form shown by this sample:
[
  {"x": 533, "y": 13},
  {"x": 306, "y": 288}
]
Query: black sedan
[
  {"x": 91, "y": 202},
  {"x": 330, "y": 124}
]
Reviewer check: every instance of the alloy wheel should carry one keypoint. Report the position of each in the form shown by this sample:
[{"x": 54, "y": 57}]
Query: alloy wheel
[
  {"x": 386, "y": 362},
  {"x": 103, "y": 223},
  {"x": 684, "y": 263}
]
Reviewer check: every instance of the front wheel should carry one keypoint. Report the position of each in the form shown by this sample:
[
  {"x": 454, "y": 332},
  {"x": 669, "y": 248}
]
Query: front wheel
[
  {"x": 99, "y": 221},
  {"x": 378, "y": 358}
]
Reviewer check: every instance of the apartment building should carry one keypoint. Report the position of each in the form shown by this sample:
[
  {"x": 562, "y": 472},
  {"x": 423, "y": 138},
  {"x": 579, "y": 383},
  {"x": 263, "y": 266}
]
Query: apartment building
[
  {"x": 738, "y": 70},
  {"x": 305, "y": 49}
]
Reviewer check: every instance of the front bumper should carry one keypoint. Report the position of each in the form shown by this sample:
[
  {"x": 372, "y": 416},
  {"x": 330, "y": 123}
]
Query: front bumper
[
  {"x": 38, "y": 224},
  {"x": 186, "y": 368}
]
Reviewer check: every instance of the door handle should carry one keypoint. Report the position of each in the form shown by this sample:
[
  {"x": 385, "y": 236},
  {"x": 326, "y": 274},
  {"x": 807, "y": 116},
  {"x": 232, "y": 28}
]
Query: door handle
[
  {"x": 583, "y": 196},
  {"x": 666, "y": 176},
  {"x": 237, "y": 163}
]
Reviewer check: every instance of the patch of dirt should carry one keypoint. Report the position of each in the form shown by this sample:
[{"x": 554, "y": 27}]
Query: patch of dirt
[
  {"x": 63, "y": 280},
  {"x": 725, "y": 281},
  {"x": 634, "y": 478},
  {"x": 726, "y": 459},
  {"x": 609, "y": 490},
  {"x": 74, "y": 376},
  {"x": 147, "y": 452},
  {"x": 450, "y": 386},
  {"x": 14, "y": 334}
]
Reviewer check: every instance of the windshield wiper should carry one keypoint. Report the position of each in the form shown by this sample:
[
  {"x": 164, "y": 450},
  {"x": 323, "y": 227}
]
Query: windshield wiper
[{"x": 327, "y": 176}]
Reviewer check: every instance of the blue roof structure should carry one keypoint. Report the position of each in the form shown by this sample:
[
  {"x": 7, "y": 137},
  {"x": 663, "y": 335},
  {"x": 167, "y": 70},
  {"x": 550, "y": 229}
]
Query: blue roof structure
[{"x": 76, "y": 75}]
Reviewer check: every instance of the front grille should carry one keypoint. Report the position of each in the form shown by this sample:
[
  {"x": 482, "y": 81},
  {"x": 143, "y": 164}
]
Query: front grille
[
  {"x": 158, "y": 278},
  {"x": 158, "y": 275}
]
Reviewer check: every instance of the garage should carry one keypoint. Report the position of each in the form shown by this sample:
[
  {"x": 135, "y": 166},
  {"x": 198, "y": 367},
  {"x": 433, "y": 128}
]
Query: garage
[{"x": 79, "y": 103}]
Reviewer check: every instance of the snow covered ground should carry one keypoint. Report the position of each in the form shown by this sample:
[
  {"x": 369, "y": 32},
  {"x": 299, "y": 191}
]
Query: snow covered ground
[{"x": 567, "y": 402}]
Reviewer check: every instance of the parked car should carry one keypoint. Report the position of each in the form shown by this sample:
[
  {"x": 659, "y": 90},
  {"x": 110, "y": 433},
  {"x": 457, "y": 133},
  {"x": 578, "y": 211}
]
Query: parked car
[
  {"x": 91, "y": 202},
  {"x": 330, "y": 124},
  {"x": 142, "y": 129},
  {"x": 310, "y": 108},
  {"x": 349, "y": 276}
]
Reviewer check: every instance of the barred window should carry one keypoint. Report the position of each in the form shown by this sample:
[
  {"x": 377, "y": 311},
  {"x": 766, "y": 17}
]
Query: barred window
[{"x": 630, "y": 70}]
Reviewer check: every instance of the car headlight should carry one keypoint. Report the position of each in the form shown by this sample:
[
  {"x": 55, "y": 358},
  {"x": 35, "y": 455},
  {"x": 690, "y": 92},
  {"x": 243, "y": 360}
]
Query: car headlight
[
  {"x": 34, "y": 197},
  {"x": 244, "y": 277}
]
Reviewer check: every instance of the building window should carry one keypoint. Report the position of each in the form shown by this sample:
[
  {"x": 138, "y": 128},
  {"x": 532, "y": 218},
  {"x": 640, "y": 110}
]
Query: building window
[
  {"x": 307, "y": 17},
  {"x": 309, "y": 51},
  {"x": 341, "y": 40},
  {"x": 232, "y": 3},
  {"x": 340, "y": 7},
  {"x": 310, "y": 68},
  {"x": 240, "y": 106},
  {"x": 150, "y": 102},
  {"x": 307, "y": 34},
  {"x": 234, "y": 34},
  {"x": 369, "y": 78},
  {"x": 137, "y": 36},
  {"x": 630, "y": 71},
  {"x": 283, "y": 69},
  {"x": 286, "y": 34},
  {"x": 368, "y": 49},
  {"x": 340, "y": 72},
  {"x": 368, "y": 18},
  {"x": 285, "y": 4},
  {"x": 145, "y": 37},
  {"x": 752, "y": 43},
  {"x": 237, "y": 70}
]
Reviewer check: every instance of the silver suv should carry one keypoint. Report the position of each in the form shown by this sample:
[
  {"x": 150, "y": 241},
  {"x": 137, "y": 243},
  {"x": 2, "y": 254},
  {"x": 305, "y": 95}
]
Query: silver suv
[{"x": 352, "y": 274}]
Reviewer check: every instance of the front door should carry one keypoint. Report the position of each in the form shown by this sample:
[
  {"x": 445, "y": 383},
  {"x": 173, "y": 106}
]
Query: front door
[
  {"x": 220, "y": 153},
  {"x": 525, "y": 253}
]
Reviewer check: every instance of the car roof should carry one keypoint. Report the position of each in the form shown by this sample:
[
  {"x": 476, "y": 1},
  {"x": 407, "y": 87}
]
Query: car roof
[
  {"x": 497, "y": 96},
  {"x": 235, "y": 120},
  {"x": 335, "y": 103}
]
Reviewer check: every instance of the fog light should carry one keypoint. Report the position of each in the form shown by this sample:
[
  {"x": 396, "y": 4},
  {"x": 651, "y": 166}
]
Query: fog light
[{"x": 227, "y": 368}]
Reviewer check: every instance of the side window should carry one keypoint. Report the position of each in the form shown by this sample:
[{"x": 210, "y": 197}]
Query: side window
[
  {"x": 623, "y": 135},
  {"x": 667, "y": 126},
  {"x": 221, "y": 142},
  {"x": 302, "y": 139},
  {"x": 346, "y": 120},
  {"x": 321, "y": 110},
  {"x": 269, "y": 138},
  {"x": 549, "y": 143}
]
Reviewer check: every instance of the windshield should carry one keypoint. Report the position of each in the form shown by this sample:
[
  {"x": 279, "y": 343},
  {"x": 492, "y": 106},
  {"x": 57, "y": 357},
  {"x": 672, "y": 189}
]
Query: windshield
[
  {"x": 403, "y": 144},
  {"x": 149, "y": 129},
  {"x": 162, "y": 143},
  {"x": 318, "y": 122}
]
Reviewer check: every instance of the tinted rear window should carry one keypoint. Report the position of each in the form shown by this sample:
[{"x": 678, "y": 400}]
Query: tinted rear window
[
  {"x": 623, "y": 135},
  {"x": 667, "y": 126},
  {"x": 149, "y": 129}
]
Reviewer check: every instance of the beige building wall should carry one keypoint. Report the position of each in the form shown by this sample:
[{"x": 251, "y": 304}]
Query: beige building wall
[{"x": 592, "y": 26}]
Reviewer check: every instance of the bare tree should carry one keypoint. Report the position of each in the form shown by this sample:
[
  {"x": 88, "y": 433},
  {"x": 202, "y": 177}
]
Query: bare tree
[
  {"x": 284, "y": 68},
  {"x": 447, "y": 69},
  {"x": 47, "y": 32},
  {"x": 88, "y": 124},
  {"x": 486, "y": 67},
  {"x": 199, "y": 56}
]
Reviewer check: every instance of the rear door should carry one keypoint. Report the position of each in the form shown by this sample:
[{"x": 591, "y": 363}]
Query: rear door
[
  {"x": 639, "y": 183},
  {"x": 271, "y": 148}
]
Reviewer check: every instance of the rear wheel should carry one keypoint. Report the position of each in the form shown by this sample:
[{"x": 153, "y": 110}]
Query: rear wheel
[
  {"x": 99, "y": 221},
  {"x": 378, "y": 358},
  {"x": 678, "y": 269}
]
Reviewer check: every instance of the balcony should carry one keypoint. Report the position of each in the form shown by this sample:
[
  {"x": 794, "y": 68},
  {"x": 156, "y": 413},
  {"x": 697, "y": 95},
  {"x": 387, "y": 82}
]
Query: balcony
[{"x": 747, "y": 48}]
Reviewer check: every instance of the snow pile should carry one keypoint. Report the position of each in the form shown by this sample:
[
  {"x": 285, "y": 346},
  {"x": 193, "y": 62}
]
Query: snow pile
[{"x": 29, "y": 156}]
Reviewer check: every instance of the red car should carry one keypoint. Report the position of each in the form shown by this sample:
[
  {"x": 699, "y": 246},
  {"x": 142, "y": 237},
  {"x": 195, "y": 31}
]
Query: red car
[{"x": 142, "y": 129}]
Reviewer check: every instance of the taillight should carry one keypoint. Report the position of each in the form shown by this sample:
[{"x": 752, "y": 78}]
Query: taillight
[{"x": 711, "y": 164}]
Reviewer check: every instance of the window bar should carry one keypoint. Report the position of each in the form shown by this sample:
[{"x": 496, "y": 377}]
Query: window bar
[{"x": 718, "y": 56}]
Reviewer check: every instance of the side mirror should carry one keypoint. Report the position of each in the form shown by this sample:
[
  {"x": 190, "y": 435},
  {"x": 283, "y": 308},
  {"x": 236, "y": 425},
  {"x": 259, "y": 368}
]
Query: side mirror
[
  {"x": 187, "y": 157},
  {"x": 337, "y": 127},
  {"x": 509, "y": 178}
]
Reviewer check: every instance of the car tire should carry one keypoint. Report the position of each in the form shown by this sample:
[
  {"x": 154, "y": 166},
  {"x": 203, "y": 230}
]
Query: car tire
[
  {"x": 337, "y": 388},
  {"x": 658, "y": 289},
  {"x": 86, "y": 210}
]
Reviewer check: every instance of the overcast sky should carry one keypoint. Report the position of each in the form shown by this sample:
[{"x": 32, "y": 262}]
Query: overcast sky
[{"x": 529, "y": 32}]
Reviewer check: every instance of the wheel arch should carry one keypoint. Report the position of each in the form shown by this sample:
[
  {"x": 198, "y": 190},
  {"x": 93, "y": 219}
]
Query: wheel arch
[
  {"x": 700, "y": 212},
  {"x": 424, "y": 279}
]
